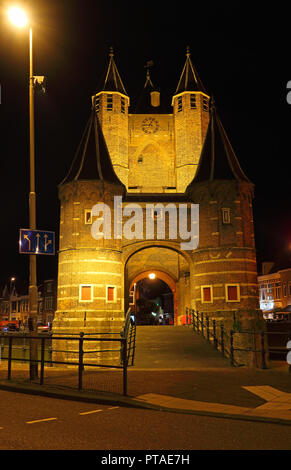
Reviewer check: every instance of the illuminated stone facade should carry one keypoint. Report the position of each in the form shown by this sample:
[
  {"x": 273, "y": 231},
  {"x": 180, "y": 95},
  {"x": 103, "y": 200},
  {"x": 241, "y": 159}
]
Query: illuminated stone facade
[
  {"x": 165, "y": 146},
  {"x": 154, "y": 157},
  {"x": 83, "y": 263}
]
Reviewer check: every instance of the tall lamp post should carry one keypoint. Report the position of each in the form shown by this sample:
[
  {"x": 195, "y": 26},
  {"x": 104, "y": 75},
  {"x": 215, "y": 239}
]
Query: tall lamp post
[
  {"x": 12, "y": 281},
  {"x": 19, "y": 19}
]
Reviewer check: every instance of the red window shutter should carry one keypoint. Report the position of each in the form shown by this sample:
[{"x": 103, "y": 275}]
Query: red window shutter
[
  {"x": 206, "y": 294},
  {"x": 86, "y": 293},
  {"x": 110, "y": 293},
  {"x": 232, "y": 293}
]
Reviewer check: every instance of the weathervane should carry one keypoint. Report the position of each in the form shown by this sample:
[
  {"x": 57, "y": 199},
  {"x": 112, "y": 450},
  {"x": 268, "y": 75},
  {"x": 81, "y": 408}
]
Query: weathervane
[{"x": 148, "y": 65}]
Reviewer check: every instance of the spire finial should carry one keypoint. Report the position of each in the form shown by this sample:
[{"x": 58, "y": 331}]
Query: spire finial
[
  {"x": 111, "y": 53},
  {"x": 188, "y": 52},
  {"x": 148, "y": 65}
]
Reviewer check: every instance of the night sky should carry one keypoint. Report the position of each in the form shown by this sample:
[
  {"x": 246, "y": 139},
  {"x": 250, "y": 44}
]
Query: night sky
[{"x": 240, "y": 51}]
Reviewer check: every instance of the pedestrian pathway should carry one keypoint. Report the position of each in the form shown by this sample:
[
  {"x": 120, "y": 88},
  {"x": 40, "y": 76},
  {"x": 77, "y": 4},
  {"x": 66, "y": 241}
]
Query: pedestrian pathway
[
  {"x": 174, "y": 347},
  {"x": 277, "y": 408}
]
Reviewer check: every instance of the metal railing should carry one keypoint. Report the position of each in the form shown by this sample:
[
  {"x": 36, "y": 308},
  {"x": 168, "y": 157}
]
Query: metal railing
[
  {"x": 11, "y": 343},
  {"x": 223, "y": 339},
  {"x": 129, "y": 332},
  {"x": 211, "y": 329}
]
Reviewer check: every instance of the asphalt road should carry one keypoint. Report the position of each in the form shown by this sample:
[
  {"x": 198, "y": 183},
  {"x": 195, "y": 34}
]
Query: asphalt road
[{"x": 39, "y": 423}]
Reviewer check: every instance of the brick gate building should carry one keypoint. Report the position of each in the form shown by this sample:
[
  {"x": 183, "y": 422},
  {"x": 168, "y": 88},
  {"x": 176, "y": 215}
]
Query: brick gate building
[{"x": 149, "y": 157}]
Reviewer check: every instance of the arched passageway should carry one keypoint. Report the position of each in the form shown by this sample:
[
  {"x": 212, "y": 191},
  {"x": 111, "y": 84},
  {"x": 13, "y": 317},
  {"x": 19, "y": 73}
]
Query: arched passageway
[
  {"x": 154, "y": 298},
  {"x": 172, "y": 273}
]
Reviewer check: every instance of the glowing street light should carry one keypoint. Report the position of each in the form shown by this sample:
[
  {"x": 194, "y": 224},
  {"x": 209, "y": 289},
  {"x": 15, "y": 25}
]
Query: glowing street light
[
  {"x": 19, "y": 18},
  {"x": 12, "y": 281},
  {"x": 152, "y": 276}
]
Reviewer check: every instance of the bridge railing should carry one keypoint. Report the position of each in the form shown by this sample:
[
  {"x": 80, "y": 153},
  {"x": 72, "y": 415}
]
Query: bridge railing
[
  {"x": 213, "y": 330},
  {"x": 103, "y": 351},
  {"x": 233, "y": 341},
  {"x": 128, "y": 332}
]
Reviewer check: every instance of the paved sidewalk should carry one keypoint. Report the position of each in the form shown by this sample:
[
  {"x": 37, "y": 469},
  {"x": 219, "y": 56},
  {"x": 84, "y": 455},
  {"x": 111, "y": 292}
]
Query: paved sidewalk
[{"x": 177, "y": 370}]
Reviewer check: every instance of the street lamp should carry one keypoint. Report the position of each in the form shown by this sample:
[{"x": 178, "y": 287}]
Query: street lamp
[
  {"x": 19, "y": 18},
  {"x": 12, "y": 280}
]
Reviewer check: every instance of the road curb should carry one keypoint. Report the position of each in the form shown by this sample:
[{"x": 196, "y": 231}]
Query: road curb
[
  {"x": 111, "y": 399},
  {"x": 74, "y": 395},
  {"x": 242, "y": 417}
]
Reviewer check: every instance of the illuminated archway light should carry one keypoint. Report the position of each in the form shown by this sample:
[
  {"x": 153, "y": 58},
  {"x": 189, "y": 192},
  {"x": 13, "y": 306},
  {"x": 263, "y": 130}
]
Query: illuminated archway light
[
  {"x": 167, "y": 279},
  {"x": 152, "y": 276},
  {"x": 170, "y": 281}
]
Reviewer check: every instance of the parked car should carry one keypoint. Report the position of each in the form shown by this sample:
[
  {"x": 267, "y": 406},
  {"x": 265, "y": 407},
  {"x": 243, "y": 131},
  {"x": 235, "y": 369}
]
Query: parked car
[
  {"x": 43, "y": 328},
  {"x": 282, "y": 316},
  {"x": 10, "y": 327}
]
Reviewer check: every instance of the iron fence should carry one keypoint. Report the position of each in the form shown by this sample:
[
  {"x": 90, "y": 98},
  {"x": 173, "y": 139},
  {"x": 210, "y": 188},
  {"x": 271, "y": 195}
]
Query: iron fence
[
  {"x": 223, "y": 339},
  {"x": 211, "y": 329},
  {"x": 15, "y": 347}
]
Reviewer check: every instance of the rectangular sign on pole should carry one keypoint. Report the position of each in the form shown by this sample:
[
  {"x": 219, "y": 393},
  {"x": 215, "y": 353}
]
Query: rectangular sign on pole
[{"x": 36, "y": 242}]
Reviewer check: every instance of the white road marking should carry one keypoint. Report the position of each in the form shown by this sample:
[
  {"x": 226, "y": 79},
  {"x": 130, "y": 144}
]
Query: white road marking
[
  {"x": 113, "y": 407},
  {"x": 40, "y": 420},
  {"x": 89, "y": 412}
]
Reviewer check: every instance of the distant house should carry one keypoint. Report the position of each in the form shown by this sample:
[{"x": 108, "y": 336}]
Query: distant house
[
  {"x": 274, "y": 288},
  {"x": 15, "y": 306},
  {"x": 47, "y": 301}
]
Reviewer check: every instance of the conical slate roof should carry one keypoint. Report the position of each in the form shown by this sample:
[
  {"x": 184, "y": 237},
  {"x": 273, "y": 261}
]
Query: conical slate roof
[
  {"x": 92, "y": 160},
  {"x": 113, "y": 80},
  {"x": 189, "y": 79},
  {"x": 218, "y": 160}
]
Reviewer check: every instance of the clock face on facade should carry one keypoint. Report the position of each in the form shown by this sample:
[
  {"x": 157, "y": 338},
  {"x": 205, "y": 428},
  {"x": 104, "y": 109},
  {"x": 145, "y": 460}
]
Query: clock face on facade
[{"x": 150, "y": 125}]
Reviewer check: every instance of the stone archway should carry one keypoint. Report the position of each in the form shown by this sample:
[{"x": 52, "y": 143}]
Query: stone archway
[
  {"x": 164, "y": 277},
  {"x": 171, "y": 265}
]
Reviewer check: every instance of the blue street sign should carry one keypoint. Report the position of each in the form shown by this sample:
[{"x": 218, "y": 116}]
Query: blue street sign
[{"x": 36, "y": 242}]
